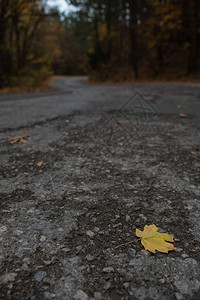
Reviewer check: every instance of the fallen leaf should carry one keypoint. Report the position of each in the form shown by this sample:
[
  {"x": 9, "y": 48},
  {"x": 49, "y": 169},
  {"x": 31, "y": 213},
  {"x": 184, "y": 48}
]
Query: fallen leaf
[
  {"x": 13, "y": 141},
  {"x": 193, "y": 152},
  {"x": 183, "y": 115},
  {"x": 23, "y": 141},
  {"x": 40, "y": 163},
  {"x": 153, "y": 240},
  {"x": 20, "y": 138}
]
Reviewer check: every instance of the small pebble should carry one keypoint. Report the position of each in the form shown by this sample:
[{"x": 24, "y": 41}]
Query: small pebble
[
  {"x": 143, "y": 217},
  {"x": 126, "y": 285},
  {"x": 162, "y": 280},
  {"x": 90, "y": 233},
  {"x": 89, "y": 257},
  {"x": 107, "y": 285},
  {"x": 66, "y": 250},
  {"x": 40, "y": 275},
  {"x": 43, "y": 238},
  {"x": 179, "y": 296},
  {"x": 185, "y": 255},
  {"x": 131, "y": 251},
  {"x": 145, "y": 252},
  {"x": 80, "y": 295},
  {"x": 74, "y": 260},
  {"x": 47, "y": 262},
  {"x": 7, "y": 277},
  {"x": 183, "y": 286},
  {"x": 98, "y": 296},
  {"x": 108, "y": 269},
  {"x": 49, "y": 295},
  {"x": 3, "y": 229},
  {"x": 179, "y": 249}
]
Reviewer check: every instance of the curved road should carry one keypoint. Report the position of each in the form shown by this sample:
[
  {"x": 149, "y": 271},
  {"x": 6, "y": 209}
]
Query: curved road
[{"x": 74, "y": 94}]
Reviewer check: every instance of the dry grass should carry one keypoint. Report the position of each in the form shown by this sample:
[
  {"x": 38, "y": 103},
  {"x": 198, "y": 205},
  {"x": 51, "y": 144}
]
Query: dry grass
[
  {"x": 45, "y": 87},
  {"x": 190, "y": 79}
]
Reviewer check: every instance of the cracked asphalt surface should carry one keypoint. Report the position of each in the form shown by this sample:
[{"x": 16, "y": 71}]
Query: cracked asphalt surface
[{"x": 111, "y": 159}]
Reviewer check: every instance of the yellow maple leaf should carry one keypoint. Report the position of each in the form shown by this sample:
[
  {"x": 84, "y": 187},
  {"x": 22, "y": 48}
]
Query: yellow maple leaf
[{"x": 153, "y": 240}]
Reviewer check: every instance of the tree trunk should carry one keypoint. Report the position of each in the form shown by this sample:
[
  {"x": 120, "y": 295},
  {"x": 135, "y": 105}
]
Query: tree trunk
[
  {"x": 3, "y": 20},
  {"x": 108, "y": 26},
  {"x": 193, "y": 26},
  {"x": 133, "y": 36}
]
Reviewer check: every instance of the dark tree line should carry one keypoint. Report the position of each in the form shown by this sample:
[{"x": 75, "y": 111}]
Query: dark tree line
[
  {"x": 116, "y": 40},
  {"x": 150, "y": 37},
  {"x": 19, "y": 23}
]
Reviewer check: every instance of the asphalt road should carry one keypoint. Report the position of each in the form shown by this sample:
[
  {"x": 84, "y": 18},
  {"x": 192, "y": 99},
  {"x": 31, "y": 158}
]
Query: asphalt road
[
  {"x": 97, "y": 163},
  {"x": 74, "y": 94}
]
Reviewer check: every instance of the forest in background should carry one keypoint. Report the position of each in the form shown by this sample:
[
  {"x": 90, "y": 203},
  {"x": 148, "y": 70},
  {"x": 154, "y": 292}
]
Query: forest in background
[{"x": 109, "y": 40}]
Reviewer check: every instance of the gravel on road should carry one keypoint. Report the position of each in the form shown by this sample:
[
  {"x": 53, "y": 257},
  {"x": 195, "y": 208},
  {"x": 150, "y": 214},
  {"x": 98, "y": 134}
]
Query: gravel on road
[{"x": 94, "y": 168}]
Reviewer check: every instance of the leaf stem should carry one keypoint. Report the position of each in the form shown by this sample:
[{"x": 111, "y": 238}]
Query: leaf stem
[{"x": 124, "y": 244}]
